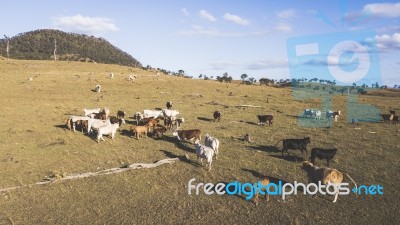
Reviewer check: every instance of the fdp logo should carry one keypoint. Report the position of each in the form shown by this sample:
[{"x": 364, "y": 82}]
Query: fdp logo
[{"x": 343, "y": 58}]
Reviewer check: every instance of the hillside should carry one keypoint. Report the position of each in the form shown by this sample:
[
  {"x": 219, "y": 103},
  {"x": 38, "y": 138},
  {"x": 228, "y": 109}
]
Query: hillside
[
  {"x": 39, "y": 45},
  {"x": 35, "y": 143}
]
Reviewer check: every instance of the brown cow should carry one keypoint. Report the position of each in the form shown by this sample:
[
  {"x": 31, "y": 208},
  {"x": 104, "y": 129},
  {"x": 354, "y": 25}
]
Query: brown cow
[
  {"x": 184, "y": 135},
  {"x": 139, "y": 130}
]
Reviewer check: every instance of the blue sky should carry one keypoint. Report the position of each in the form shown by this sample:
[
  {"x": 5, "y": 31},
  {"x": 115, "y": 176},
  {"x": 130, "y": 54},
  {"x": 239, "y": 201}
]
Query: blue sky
[{"x": 213, "y": 37}]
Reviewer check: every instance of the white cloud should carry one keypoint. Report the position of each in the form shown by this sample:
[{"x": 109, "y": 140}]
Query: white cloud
[
  {"x": 198, "y": 31},
  {"x": 85, "y": 24},
  {"x": 185, "y": 12},
  {"x": 286, "y": 14},
  {"x": 382, "y": 9},
  {"x": 388, "y": 42},
  {"x": 206, "y": 15},
  {"x": 284, "y": 27},
  {"x": 267, "y": 64},
  {"x": 236, "y": 19},
  {"x": 225, "y": 64}
]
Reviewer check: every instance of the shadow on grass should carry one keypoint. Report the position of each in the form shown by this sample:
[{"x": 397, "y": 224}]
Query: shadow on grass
[
  {"x": 127, "y": 133},
  {"x": 180, "y": 157},
  {"x": 63, "y": 126},
  {"x": 179, "y": 144},
  {"x": 248, "y": 122},
  {"x": 261, "y": 176},
  {"x": 205, "y": 119},
  {"x": 290, "y": 158},
  {"x": 265, "y": 148}
]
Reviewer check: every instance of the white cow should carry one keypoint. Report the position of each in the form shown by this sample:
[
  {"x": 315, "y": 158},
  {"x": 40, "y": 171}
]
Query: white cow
[
  {"x": 317, "y": 114},
  {"x": 91, "y": 111},
  {"x": 95, "y": 124},
  {"x": 111, "y": 75},
  {"x": 170, "y": 113},
  {"x": 97, "y": 88},
  {"x": 147, "y": 113},
  {"x": 204, "y": 152},
  {"x": 107, "y": 130},
  {"x": 138, "y": 117},
  {"x": 132, "y": 77},
  {"x": 213, "y": 143}
]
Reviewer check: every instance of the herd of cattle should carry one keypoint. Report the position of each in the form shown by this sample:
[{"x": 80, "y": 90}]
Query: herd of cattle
[{"x": 99, "y": 120}]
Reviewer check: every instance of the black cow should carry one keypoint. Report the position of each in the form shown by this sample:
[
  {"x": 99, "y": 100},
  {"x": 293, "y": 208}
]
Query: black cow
[
  {"x": 392, "y": 112},
  {"x": 263, "y": 119},
  {"x": 169, "y": 105},
  {"x": 121, "y": 114},
  {"x": 320, "y": 153},
  {"x": 217, "y": 116},
  {"x": 300, "y": 144}
]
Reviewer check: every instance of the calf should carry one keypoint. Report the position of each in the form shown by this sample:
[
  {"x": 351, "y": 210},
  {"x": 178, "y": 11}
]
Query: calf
[
  {"x": 264, "y": 119},
  {"x": 107, "y": 130},
  {"x": 317, "y": 114},
  {"x": 324, "y": 175},
  {"x": 138, "y": 117},
  {"x": 152, "y": 123},
  {"x": 217, "y": 116},
  {"x": 213, "y": 143},
  {"x": 204, "y": 152},
  {"x": 300, "y": 144},
  {"x": 184, "y": 135},
  {"x": 139, "y": 130},
  {"x": 121, "y": 114},
  {"x": 159, "y": 130},
  {"x": 320, "y": 153},
  {"x": 264, "y": 182},
  {"x": 169, "y": 105}
]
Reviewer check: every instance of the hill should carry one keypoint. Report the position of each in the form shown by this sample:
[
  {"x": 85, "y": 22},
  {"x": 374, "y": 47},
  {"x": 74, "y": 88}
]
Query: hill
[{"x": 39, "y": 45}]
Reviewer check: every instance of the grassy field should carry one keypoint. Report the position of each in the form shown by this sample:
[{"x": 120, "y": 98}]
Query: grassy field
[{"x": 34, "y": 143}]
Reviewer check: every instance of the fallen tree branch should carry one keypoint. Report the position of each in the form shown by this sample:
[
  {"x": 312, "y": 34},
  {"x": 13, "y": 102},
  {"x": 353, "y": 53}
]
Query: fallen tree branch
[{"x": 134, "y": 166}]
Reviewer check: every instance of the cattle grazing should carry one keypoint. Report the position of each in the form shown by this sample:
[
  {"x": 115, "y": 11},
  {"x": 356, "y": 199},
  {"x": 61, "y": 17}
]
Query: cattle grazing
[
  {"x": 114, "y": 119},
  {"x": 97, "y": 88},
  {"x": 131, "y": 78},
  {"x": 152, "y": 123},
  {"x": 217, "y": 116},
  {"x": 263, "y": 119},
  {"x": 107, "y": 130},
  {"x": 169, "y": 105},
  {"x": 152, "y": 113},
  {"x": 264, "y": 182},
  {"x": 95, "y": 124},
  {"x": 170, "y": 113},
  {"x": 172, "y": 121},
  {"x": 184, "y": 135},
  {"x": 138, "y": 117},
  {"x": 247, "y": 138},
  {"x": 324, "y": 175},
  {"x": 317, "y": 114},
  {"x": 320, "y": 153},
  {"x": 392, "y": 112},
  {"x": 101, "y": 115},
  {"x": 308, "y": 113},
  {"x": 87, "y": 112},
  {"x": 159, "y": 130},
  {"x": 331, "y": 114},
  {"x": 139, "y": 130},
  {"x": 204, "y": 152},
  {"x": 121, "y": 114},
  {"x": 75, "y": 121},
  {"x": 111, "y": 75},
  {"x": 387, "y": 117},
  {"x": 295, "y": 144},
  {"x": 213, "y": 143}
]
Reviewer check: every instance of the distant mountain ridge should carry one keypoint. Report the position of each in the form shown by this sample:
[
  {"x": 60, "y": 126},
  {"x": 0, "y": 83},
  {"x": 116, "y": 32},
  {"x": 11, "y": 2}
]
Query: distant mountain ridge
[{"x": 39, "y": 45}]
